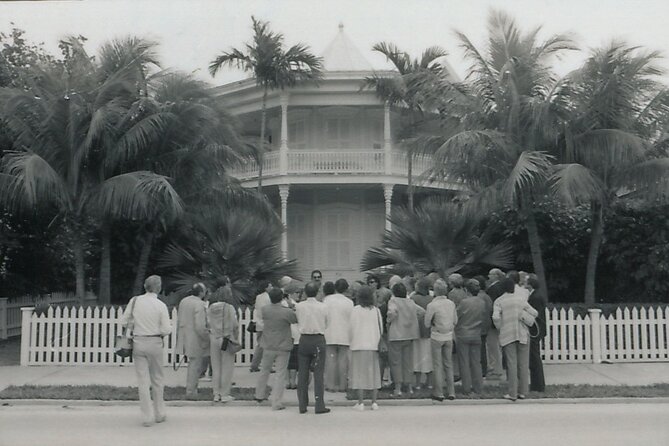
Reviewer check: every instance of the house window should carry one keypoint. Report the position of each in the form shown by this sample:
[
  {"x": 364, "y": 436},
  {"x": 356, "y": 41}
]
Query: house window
[
  {"x": 337, "y": 240},
  {"x": 300, "y": 237},
  {"x": 377, "y": 135},
  {"x": 297, "y": 135},
  {"x": 338, "y": 133}
]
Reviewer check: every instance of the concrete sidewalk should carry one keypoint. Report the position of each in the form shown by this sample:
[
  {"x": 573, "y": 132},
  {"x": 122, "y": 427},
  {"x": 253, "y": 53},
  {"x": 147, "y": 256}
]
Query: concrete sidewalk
[{"x": 620, "y": 374}]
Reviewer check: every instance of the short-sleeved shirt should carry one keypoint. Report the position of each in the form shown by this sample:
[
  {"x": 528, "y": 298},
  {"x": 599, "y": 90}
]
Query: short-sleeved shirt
[{"x": 312, "y": 316}]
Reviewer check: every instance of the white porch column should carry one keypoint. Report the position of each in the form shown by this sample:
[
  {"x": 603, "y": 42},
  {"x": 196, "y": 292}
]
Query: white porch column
[
  {"x": 388, "y": 196},
  {"x": 283, "y": 148},
  {"x": 284, "y": 190},
  {"x": 387, "y": 143}
]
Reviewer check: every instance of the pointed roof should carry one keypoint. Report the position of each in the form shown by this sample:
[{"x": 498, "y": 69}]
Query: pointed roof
[{"x": 342, "y": 55}]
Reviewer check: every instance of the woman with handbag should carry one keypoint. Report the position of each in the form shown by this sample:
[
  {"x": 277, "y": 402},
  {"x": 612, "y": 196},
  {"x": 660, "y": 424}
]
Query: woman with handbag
[
  {"x": 223, "y": 342},
  {"x": 403, "y": 315},
  {"x": 512, "y": 316},
  {"x": 366, "y": 327}
]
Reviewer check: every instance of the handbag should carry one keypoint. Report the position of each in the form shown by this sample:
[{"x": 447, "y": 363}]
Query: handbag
[
  {"x": 123, "y": 344},
  {"x": 227, "y": 344}
]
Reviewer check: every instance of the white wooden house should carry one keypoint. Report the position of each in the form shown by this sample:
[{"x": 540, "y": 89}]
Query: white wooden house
[{"x": 333, "y": 168}]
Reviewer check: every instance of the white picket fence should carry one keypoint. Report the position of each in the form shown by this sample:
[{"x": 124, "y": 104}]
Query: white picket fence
[
  {"x": 69, "y": 336},
  {"x": 637, "y": 335},
  {"x": 86, "y": 336},
  {"x": 10, "y": 309}
]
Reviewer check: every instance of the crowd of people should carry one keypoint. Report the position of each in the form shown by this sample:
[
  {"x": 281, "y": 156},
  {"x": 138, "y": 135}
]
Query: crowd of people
[{"x": 427, "y": 332}]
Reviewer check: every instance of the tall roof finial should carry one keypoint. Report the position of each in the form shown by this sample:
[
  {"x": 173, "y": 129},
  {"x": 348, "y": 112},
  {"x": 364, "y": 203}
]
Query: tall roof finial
[{"x": 341, "y": 26}]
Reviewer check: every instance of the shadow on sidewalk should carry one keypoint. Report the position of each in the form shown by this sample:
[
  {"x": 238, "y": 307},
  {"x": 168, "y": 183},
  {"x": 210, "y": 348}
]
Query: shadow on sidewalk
[{"x": 10, "y": 351}]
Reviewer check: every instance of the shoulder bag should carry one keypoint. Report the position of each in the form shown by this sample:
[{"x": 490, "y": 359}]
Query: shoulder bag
[
  {"x": 227, "y": 344},
  {"x": 123, "y": 344}
]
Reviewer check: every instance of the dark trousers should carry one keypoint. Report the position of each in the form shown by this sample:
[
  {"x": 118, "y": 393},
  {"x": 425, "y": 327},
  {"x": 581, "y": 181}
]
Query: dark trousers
[
  {"x": 537, "y": 382},
  {"x": 310, "y": 357},
  {"x": 484, "y": 355}
]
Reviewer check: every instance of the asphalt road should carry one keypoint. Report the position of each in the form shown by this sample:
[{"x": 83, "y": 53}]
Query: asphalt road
[{"x": 501, "y": 424}]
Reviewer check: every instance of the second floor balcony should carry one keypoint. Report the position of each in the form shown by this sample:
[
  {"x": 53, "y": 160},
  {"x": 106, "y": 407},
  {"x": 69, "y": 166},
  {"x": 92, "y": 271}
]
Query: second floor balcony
[{"x": 330, "y": 163}]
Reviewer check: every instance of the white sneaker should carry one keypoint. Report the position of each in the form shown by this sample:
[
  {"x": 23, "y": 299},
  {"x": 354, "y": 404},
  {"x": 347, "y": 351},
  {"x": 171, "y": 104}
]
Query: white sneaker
[
  {"x": 359, "y": 407},
  {"x": 217, "y": 398},
  {"x": 375, "y": 406},
  {"x": 227, "y": 398}
]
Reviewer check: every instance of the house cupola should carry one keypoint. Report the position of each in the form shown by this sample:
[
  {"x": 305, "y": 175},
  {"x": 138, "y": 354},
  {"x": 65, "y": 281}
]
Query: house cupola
[{"x": 342, "y": 55}]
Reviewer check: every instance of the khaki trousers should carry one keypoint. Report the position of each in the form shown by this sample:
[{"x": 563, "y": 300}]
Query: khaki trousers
[
  {"x": 222, "y": 367},
  {"x": 336, "y": 367},
  {"x": 147, "y": 355}
]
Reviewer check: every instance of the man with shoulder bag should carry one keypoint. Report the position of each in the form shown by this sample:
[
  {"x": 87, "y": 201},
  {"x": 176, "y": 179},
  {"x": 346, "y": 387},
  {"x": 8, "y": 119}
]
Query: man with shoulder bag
[{"x": 150, "y": 323}]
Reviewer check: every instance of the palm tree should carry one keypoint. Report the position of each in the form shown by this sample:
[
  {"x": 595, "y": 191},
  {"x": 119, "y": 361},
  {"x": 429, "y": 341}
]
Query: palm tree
[
  {"x": 397, "y": 91},
  {"x": 501, "y": 121},
  {"x": 230, "y": 240},
  {"x": 448, "y": 241},
  {"x": 272, "y": 67},
  {"x": 196, "y": 151},
  {"x": 136, "y": 57},
  {"x": 63, "y": 128},
  {"x": 614, "y": 140}
]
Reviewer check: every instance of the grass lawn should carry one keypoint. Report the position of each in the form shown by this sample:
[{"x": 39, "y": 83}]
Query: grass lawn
[
  {"x": 495, "y": 391},
  {"x": 110, "y": 393}
]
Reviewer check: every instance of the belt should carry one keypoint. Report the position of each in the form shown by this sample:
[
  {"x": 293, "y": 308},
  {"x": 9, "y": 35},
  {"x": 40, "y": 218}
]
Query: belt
[
  {"x": 148, "y": 336},
  {"x": 313, "y": 334}
]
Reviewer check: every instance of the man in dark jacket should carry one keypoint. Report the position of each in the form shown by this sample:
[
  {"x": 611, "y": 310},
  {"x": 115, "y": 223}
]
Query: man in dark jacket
[
  {"x": 538, "y": 301},
  {"x": 495, "y": 364}
]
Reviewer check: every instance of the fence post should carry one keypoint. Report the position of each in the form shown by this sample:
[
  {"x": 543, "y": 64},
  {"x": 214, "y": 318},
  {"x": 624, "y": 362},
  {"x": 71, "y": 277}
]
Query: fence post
[
  {"x": 26, "y": 316},
  {"x": 3, "y": 318},
  {"x": 595, "y": 334}
]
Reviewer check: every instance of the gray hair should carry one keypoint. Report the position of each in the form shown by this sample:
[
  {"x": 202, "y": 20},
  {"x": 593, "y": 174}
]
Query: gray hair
[
  {"x": 153, "y": 284},
  {"x": 440, "y": 288},
  {"x": 456, "y": 280}
]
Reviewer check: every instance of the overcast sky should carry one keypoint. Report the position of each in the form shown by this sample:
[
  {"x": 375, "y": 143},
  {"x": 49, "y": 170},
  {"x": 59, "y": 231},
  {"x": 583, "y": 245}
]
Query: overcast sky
[{"x": 191, "y": 33}]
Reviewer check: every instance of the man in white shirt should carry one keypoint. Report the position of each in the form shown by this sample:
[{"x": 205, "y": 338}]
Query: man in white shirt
[
  {"x": 312, "y": 320},
  {"x": 193, "y": 336},
  {"x": 148, "y": 320},
  {"x": 262, "y": 300},
  {"x": 339, "y": 308}
]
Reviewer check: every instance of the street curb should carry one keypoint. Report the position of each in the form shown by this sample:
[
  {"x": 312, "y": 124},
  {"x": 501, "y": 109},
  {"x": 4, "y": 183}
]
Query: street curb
[{"x": 347, "y": 403}]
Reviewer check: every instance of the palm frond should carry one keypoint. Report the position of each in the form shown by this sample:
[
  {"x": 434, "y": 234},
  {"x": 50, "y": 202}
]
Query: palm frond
[
  {"x": 30, "y": 180},
  {"x": 137, "y": 195},
  {"x": 529, "y": 172},
  {"x": 575, "y": 183}
]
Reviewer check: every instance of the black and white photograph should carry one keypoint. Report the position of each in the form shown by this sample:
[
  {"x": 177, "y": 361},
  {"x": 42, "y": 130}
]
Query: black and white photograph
[{"x": 334, "y": 222}]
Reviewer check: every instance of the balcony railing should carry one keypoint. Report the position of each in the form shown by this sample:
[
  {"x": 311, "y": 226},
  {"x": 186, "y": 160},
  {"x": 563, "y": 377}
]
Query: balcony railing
[{"x": 345, "y": 161}]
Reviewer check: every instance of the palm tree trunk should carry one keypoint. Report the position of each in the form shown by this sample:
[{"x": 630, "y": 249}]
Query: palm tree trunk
[
  {"x": 261, "y": 147},
  {"x": 535, "y": 247},
  {"x": 104, "y": 293},
  {"x": 410, "y": 178},
  {"x": 593, "y": 253},
  {"x": 79, "y": 268},
  {"x": 143, "y": 263}
]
